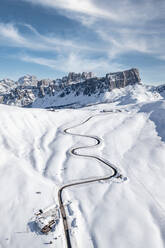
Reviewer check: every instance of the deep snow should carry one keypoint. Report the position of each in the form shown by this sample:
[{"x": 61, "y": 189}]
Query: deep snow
[{"x": 35, "y": 158}]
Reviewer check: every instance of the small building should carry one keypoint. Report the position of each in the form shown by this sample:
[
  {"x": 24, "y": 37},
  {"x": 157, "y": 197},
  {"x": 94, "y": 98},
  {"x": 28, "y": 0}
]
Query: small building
[{"x": 47, "y": 219}]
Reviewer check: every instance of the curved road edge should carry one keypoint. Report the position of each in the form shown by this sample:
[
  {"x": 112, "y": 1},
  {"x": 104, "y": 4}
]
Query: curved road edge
[{"x": 74, "y": 151}]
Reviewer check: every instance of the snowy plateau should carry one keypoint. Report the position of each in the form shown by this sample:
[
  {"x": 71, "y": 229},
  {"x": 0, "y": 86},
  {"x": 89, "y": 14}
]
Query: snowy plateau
[{"x": 36, "y": 159}]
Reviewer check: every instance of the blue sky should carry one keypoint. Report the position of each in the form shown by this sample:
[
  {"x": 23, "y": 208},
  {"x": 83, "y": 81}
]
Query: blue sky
[{"x": 49, "y": 38}]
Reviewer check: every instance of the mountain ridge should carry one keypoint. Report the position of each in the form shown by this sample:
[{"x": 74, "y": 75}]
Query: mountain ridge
[
  {"x": 28, "y": 90},
  {"x": 74, "y": 90}
]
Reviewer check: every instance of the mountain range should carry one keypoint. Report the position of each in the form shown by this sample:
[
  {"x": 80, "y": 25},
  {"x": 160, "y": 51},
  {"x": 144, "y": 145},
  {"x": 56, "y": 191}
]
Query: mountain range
[{"x": 74, "y": 90}]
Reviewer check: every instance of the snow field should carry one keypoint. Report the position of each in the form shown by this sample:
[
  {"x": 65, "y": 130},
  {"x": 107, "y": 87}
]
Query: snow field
[{"x": 35, "y": 158}]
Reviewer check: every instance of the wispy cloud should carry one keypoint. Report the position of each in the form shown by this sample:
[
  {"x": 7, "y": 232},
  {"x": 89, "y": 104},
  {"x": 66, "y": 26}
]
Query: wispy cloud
[
  {"x": 117, "y": 11},
  {"x": 86, "y": 7},
  {"x": 123, "y": 26},
  {"x": 75, "y": 62},
  {"x": 11, "y": 36},
  {"x": 69, "y": 55},
  {"x": 120, "y": 27}
]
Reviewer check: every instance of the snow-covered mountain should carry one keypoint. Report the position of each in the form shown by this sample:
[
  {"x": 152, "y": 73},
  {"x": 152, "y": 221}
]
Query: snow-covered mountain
[
  {"x": 28, "y": 80},
  {"x": 77, "y": 90},
  {"x": 6, "y": 85},
  {"x": 82, "y": 88}
]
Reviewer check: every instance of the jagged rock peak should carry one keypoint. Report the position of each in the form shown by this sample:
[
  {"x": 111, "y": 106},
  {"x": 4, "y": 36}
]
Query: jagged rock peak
[
  {"x": 124, "y": 78},
  {"x": 7, "y": 81},
  {"x": 28, "y": 80},
  {"x": 78, "y": 77}
]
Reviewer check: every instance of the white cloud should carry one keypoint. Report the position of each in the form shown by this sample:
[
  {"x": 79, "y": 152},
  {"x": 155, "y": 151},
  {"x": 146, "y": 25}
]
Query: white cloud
[
  {"x": 118, "y": 10},
  {"x": 86, "y": 7},
  {"x": 11, "y": 36},
  {"x": 120, "y": 43},
  {"x": 76, "y": 63},
  {"x": 122, "y": 25},
  {"x": 150, "y": 43}
]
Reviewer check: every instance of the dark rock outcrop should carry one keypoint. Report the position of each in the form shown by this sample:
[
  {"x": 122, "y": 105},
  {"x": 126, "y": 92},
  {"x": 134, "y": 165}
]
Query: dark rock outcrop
[
  {"x": 123, "y": 79},
  {"x": 79, "y": 77}
]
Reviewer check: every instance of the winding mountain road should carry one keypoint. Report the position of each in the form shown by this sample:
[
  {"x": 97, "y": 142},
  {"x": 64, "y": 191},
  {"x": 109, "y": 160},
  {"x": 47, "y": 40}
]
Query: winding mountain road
[{"x": 74, "y": 151}]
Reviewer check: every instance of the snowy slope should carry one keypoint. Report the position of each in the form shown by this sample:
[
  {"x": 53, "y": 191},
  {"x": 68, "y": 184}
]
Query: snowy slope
[
  {"x": 127, "y": 95},
  {"x": 35, "y": 158}
]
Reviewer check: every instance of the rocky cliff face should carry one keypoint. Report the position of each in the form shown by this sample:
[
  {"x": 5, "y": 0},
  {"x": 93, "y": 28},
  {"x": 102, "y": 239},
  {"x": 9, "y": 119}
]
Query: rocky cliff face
[
  {"x": 122, "y": 79},
  {"x": 32, "y": 92}
]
